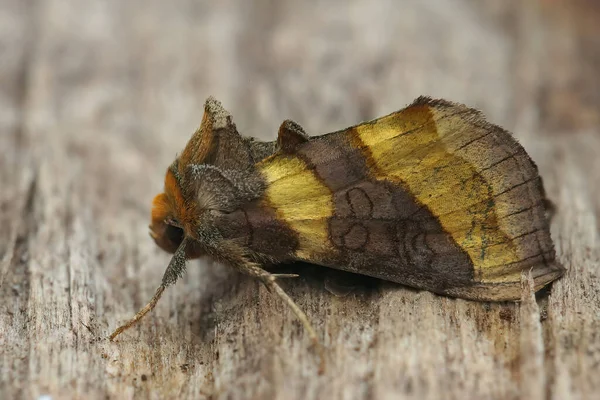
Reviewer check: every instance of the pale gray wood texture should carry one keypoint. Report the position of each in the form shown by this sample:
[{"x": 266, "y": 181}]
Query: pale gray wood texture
[{"x": 96, "y": 99}]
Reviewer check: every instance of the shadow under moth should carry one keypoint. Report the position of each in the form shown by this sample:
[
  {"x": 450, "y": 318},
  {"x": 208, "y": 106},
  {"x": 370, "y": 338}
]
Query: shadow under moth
[{"x": 431, "y": 196}]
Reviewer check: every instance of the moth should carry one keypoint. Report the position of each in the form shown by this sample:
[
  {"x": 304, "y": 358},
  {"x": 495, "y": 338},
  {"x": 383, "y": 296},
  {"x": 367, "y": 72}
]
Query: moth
[{"x": 431, "y": 196}]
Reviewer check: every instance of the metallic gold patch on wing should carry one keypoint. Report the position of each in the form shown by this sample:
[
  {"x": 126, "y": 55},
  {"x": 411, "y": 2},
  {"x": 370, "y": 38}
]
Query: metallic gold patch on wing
[
  {"x": 300, "y": 199},
  {"x": 406, "y": 147}
]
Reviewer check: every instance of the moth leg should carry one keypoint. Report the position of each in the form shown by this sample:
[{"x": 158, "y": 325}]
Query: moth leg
[
  {"x": 270, "y": 281},
  {"x": 173, "y": 272},
  {"x": 231, "y": 253}
]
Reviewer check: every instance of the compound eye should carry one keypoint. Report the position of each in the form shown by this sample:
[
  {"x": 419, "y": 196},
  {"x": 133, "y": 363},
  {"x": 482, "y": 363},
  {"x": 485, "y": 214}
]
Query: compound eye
[
  {"x": 174, "y": 234},
  {"x": 167, "y": 233}
]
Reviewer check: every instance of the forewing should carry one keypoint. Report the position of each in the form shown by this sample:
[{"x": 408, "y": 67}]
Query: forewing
[{"x": 431, "y": 196}]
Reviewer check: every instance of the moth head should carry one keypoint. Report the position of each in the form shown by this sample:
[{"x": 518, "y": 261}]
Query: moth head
[
  {"x": 171, "y": 217},
  {"x": 215, "y": 143}
]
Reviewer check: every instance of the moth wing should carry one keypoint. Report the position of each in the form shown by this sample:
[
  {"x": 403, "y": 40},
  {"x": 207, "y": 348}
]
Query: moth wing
[{"x": 432, "y": 196}]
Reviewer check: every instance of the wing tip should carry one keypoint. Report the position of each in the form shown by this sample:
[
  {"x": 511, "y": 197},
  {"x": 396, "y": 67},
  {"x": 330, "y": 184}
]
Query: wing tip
[{"x": 543, "y": 275}]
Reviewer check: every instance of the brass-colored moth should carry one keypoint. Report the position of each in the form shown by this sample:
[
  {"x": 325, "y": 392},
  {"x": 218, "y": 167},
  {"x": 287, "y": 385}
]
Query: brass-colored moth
[{"x": 431, "y": 196}]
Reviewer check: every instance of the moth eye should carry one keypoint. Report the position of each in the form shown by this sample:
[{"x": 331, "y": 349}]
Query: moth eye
[{"x": 174, "y": 234}]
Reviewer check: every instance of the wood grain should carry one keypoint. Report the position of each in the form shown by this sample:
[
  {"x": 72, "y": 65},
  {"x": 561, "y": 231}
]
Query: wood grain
[{"x": 96, "y": 98}]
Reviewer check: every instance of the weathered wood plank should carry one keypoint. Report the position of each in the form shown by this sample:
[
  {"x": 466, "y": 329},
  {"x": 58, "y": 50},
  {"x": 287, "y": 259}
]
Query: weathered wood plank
[
  {"x": 16, "y": 174},
  {"x": 96, "y": 98}
]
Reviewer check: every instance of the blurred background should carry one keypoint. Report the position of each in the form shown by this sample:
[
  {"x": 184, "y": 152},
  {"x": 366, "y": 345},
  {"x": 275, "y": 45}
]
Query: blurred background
[
  {"x": 137, "y": 72},
  {"x": 117, "y": 87},
  {"x": 97, "y": 98}
]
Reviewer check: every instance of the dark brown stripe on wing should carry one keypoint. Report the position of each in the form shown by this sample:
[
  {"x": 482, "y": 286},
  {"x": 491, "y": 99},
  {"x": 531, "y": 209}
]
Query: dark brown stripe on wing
[
  {"x": 335, "y": 161},
  {"x": 378, "y": 227}
]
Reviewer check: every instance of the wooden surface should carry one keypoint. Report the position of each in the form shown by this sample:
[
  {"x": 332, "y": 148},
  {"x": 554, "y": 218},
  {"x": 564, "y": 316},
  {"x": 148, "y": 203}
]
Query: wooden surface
[{"x": 96, "y": 99}]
